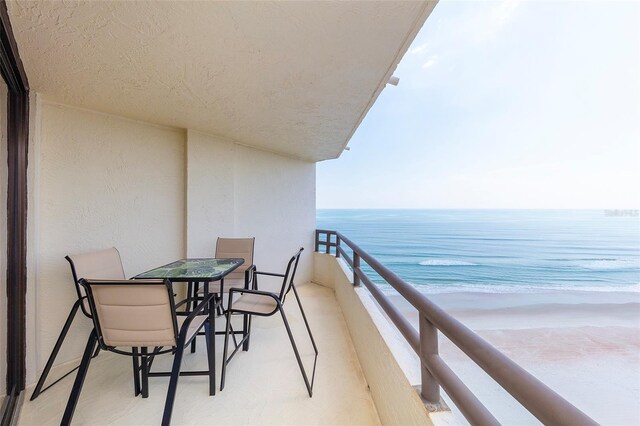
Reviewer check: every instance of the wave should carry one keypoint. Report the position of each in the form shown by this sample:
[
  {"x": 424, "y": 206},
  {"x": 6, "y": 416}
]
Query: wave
[
  {"x": 508, "y": 289},
  {"x": 607, "y": 264},
  {"x": 445, "y": 262}
]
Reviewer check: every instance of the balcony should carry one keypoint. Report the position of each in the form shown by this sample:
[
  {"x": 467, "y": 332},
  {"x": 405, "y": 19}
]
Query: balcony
[
  {"x": 374, "y": 366},
  {"x": 263, "y": 385}
]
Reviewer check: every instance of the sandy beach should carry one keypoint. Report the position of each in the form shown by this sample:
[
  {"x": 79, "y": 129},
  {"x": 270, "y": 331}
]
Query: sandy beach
[{"x": 584, "y": 345}]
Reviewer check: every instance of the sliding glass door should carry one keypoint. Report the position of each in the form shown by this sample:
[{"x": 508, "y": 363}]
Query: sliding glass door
[{"x": 3, "y": 239}]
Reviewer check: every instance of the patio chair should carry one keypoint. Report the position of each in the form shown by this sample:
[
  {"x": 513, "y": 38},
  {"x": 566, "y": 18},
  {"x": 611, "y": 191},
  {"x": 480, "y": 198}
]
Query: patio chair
[
  {"x": 227, "y": 248},
  {"x": 263, "y": 303},
  {"x": 102, "y": 264},
  {"x": 240, "y": 278},
  {"x": 141, "y": 314}
]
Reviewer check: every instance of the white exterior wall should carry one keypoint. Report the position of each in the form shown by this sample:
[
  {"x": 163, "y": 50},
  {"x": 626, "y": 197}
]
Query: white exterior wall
[
  {"x": 155, "y": 193},
  {"x": 235, "y": 191},
  {"x": 3, "y": 238},
  {"x": 210, "y": 193},
  {"x": 102, "y": 181}
]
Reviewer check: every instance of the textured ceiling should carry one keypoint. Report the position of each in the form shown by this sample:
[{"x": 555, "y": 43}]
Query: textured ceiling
[{"x": 294, "y": 78}]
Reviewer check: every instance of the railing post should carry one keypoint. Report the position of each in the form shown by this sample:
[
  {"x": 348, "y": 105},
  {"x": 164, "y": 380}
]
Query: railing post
[
  {"x": 317, "y": 240},
  {"x": 327, "y": 246},
  {"x": 337, "y": 246},
  {"x": 428, "y": 347},
  {"x": 356, "y": 265}
]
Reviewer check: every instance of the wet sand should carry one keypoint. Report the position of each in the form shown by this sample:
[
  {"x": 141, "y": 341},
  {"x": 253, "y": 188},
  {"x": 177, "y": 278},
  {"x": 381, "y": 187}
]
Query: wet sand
[{"x": 584, "y": 345}]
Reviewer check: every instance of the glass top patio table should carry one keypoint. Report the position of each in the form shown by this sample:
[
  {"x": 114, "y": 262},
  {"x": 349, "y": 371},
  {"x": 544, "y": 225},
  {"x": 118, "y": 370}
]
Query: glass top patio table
[{"x": 194, "y": 270}]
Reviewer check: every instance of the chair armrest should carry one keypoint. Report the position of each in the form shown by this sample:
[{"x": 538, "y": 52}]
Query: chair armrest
[
  {"x": 249, "y": 276},
  {"x": 197, "y": 310},
  {"x": 244, "y": 290},
  {"x": 270, "y": 274},
  {"x": 188, "y": 299},
  {"x": 256, "y": 273}
]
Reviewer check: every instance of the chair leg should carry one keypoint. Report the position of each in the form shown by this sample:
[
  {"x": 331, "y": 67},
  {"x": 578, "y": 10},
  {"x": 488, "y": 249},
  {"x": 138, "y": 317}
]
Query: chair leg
[
  {"x": 210, "y": 334},
  {"x": 173, "y": 384},
  {"x": 56, "y": 349},
  {"x": 306, "y": 323},
  {"x": 313, "y": 341},
  {"x": 144, "y": 366},
  {"x": 195, "y": 303},
  {"x": 233, "y": 336},
  {"x": 219, "y": 308},
  {"x": 153, "y": 356},
  {"x": 226, "y": 346},
  {"x": 82, "y": 374},
  {"x": 136, "y": 372},
  {"x": 295, "y": 351},
  {"x": 245, "y": 331}
]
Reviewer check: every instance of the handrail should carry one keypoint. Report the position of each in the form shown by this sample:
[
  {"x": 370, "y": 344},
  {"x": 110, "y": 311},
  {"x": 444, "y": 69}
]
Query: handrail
[{"x": 540, "y": 400}]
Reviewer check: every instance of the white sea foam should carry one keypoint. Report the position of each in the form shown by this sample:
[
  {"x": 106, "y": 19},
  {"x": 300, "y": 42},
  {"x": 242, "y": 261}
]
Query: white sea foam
[
  {"x": 445, "y": 262},
  {"x": 506, "y": 288},
  {"x": 607, "y": 264}
]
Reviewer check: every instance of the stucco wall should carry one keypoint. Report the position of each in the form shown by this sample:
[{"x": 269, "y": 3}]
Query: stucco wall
[
  {"x": 102, "y": 181},
  {"x": 236, "y": 191},
  {"x": 3, "y": 237}
]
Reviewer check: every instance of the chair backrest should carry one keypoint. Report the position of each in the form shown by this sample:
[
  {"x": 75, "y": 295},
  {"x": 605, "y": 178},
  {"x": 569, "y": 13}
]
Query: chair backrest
[
  {"x": 132, "y": 313},
  {"x": 103, "y": 264},
  {"x": 236, "y": 248},
  {"x": 289, "y": 275}
]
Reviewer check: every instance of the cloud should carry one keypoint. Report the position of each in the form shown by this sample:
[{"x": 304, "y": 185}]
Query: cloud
[
  {"x": 431, "y": 62},
  {"x": 504, "y": 10},
  {"x": 419, "y": 49},
  {"x": 455, "y": 34}
]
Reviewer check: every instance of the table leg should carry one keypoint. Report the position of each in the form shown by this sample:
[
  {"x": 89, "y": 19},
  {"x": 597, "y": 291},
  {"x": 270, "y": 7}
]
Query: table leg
[
  {"x": 196, "y": 286},
  {"x": 190, "y": 294},
  {"x": 206, "y": 293}
]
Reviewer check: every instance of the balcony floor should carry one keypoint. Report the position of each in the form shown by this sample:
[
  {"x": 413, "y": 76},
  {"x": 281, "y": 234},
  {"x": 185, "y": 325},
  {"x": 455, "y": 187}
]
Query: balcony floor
[{"x": 264, "y": 385}]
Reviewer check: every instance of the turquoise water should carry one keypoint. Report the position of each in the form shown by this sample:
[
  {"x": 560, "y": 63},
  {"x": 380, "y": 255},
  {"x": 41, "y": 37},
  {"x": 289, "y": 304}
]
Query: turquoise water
[{"x": 499, "y": 250}]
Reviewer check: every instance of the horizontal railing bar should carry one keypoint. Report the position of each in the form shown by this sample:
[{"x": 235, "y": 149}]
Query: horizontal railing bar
[
  {"x": 408, "y": 331},
  {"x": 540, "y": 400},
  {"x": 182, "y": 373},
  {"x": 324, "y": 231},
  {"x": 345, "y": 256},
  {"x": 327, "y": 243},
  {"x": 470, "y": 406}
]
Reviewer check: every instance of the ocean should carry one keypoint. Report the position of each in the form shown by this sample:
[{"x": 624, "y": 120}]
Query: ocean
[{"x": 498, "y": 251}]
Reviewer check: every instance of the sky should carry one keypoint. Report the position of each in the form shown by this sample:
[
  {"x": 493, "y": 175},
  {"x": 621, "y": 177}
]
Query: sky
[{"x": 517, "y": 104}]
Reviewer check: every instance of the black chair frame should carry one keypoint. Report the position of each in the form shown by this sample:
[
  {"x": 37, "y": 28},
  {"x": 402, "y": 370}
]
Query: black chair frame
[
  {"x": 287, "y": 285},
  {"x": 249, "y": 282},
  {"x": 79, "y": 303},
  {"x": 143, "y": 371}
]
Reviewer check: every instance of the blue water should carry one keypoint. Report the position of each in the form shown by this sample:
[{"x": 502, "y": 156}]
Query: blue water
[{"x": 498, "y": 250}]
